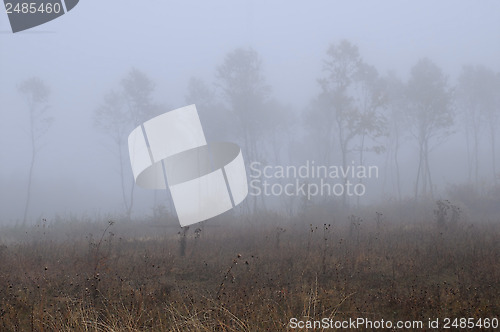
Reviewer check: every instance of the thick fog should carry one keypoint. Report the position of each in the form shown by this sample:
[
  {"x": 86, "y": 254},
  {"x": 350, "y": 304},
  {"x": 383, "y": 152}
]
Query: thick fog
[{"x": 193, "y": 51}]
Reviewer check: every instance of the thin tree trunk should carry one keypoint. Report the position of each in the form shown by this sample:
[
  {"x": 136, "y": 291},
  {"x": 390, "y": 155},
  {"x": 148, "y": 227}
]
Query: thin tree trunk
[
  {"x": 28, "y": 197},
  {"x": 256, "y": 157},
  {"x": 428, "y": 169},
  {"x": 493, "y": 152},
  {"x": 419, "y": 170},
  {"x": 131, "y": 200},
  {"x": 424, "y": 170},
  {"x": 122, "y": 181},
  {"x": 32, "y": 165},
  {"x": 476, "y": 156},
  {"x": 343, "y": 149},
  {"x": 387, "y": 166},
  {"x": 469, "y": 153},
  {"x": 362, "y": 148},
  {"x": 344, "y": 165},
  {"x": 396, "y": 163}
]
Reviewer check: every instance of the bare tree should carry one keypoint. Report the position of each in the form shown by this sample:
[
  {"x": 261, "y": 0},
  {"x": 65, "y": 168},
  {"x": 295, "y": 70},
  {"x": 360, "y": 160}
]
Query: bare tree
[
  {"x": 490, "y": 107},
  {"x": 473, "y": 99},
  {"x": 112, "y": 118},
  {"x": 120, "y": 112},
  {"x": 494, "y": 117},
  {"x": 395, "y": 107},
  {"x": 370, "y": 96},
  {"x": 348, "y": 105},
  {"x": 341, "y": 68},
  {"x": 429, "y": 114},
  {"x": 35, "y": 93},
  {"x": 245, "y": 93},
  {"x": 335, "y": 103},
  {"x": 246, "y": 96}
]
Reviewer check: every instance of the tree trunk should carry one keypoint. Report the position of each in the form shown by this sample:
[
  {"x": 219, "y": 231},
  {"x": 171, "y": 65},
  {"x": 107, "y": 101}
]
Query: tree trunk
[
  {"x": 28, "y": 197},
  {"x": 428, "y": 169},
  {"x": 33, "y": 155},
  {"x": 419, "y": 170},
  {"x": 493, "y": 152},
  {"x": 476, "y": 155},
  {"x": 362, "y": 148},
  {"x": 469, "y": 153},
  {"x": 344, "y": 165},
  {"x": 396, "y": 163},
  {"x": 128, "y": 205}
]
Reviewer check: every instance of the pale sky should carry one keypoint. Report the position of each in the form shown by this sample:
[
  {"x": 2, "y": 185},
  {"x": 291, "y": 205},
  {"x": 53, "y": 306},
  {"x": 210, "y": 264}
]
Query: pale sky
[{"x": 85, "y": 53}]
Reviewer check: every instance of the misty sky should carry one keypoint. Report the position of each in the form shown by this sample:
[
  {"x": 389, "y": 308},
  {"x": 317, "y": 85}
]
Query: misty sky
[{"x": 85, "y": 53}]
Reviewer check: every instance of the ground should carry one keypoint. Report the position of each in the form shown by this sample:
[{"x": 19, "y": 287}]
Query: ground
[{"x": 244, "y": 276}]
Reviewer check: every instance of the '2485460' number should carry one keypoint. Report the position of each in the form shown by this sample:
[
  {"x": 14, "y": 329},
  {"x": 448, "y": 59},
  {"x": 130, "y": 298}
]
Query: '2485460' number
[{"x": 32, "y": 8}]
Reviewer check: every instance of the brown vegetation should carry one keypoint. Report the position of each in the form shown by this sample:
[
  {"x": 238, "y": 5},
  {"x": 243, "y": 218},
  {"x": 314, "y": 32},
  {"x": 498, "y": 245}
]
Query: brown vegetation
[{"x": 99, "y": 277}]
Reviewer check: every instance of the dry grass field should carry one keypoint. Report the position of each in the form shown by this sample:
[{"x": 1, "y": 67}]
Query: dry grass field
[{"x": 119, "y": 277}]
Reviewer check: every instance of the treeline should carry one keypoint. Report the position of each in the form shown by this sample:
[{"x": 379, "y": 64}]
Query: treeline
[{"x": 357, "y": 113}]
